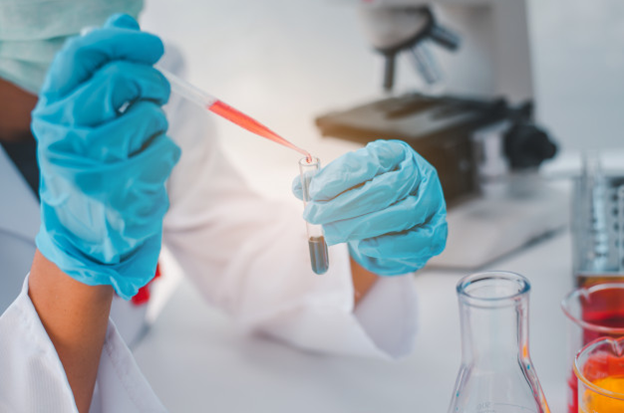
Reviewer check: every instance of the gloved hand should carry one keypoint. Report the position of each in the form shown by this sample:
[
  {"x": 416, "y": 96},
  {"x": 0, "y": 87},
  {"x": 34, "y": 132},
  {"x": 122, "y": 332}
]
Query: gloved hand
[
  {"x": 104, "y": 157},
  {"x": 385, "y": 201}
]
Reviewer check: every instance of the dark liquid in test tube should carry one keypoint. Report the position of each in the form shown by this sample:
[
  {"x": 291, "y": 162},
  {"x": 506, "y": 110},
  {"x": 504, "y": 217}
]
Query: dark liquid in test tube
[{"x": 318, "y": 254}]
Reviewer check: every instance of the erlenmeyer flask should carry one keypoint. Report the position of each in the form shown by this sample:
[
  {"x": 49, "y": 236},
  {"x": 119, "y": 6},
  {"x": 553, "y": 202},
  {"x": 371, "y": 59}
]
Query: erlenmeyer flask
[{"x": 496, "y": 375}]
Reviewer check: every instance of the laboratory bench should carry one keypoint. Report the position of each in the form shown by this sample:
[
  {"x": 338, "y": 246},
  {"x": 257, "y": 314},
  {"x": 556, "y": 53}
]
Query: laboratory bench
[{"x": 197, "y": 361}]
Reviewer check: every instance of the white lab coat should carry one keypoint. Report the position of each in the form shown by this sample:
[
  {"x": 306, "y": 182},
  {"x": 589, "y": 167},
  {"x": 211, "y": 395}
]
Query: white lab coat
[{"x": 246, "y": 254}]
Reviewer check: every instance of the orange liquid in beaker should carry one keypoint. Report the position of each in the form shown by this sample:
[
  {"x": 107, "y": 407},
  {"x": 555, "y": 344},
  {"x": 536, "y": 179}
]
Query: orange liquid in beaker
[
  {"x": 606, "y": 371},
  {"x": 593, "y": 402}
]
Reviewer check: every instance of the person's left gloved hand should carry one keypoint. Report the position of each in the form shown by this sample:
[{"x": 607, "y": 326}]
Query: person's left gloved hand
[{"x": 385, "y": 201}]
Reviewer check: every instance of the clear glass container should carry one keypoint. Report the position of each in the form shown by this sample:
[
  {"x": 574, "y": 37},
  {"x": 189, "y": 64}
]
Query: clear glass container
[
  {"x": 599, "y": 368},
  {"x": 593, "y": 312},
  {"x": 496, "y": 374},
  {"x": 319, "y": 255}
]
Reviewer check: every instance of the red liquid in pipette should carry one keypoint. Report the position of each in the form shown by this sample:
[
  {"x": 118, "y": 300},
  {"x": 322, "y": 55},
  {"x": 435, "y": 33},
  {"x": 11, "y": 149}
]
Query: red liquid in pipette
[{"x": 253, "y": 126}]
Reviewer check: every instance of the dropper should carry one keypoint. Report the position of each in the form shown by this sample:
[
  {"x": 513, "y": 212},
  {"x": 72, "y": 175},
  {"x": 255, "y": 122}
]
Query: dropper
[{"x": 218, "y": 107}]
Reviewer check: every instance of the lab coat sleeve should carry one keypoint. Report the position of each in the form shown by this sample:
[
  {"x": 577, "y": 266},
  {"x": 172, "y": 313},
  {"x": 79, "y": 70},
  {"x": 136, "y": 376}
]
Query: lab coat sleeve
[
  {"x": 32, "y": 378},
  {"x": 249, "y": 256}
]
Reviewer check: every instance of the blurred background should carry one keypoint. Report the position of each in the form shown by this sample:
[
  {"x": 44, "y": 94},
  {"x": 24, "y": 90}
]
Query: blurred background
[{"x": 287, "y": 61}]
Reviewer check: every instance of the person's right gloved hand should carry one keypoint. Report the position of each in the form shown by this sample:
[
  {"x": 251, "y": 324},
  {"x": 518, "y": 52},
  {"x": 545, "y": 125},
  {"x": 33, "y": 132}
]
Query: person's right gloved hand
[
  {"x": 385, "y": 201},
  {"x": 104, "y": 157}
]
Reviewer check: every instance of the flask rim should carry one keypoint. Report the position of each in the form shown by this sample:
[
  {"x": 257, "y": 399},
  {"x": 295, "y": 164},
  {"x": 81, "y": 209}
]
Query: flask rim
[
  {"x": 574, "y": 295},
  {"x": 599, "y": 342},
  {"x": 517, "y": 286}
]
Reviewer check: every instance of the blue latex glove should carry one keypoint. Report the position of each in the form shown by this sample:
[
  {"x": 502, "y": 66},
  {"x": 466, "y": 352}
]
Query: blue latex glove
[
  {"x": 385, "y": 201},
  {"x": 103, "y": 162}
]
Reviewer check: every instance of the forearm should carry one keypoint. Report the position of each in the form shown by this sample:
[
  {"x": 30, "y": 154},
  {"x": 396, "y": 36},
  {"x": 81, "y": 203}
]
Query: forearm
[
  {"x": 363, "y": 280},
  {"x": 75, "y": 317}
]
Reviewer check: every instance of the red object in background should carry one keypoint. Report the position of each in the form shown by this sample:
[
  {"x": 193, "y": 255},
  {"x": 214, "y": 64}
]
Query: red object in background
[
  {"x": 143, "y": 295},
  {"x": 603, "y": 365},
  {"x": 606, "y": 309},
  {"x": 573, "y": 395}
]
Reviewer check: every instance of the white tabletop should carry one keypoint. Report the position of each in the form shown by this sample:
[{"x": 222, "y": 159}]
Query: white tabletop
[{"x": 197, "y": 361}]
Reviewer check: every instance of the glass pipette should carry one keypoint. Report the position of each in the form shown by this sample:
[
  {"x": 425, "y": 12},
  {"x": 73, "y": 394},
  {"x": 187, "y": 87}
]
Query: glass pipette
[
  {"x": 308, "y": 165},
  {"x": 216, "y": 106}
]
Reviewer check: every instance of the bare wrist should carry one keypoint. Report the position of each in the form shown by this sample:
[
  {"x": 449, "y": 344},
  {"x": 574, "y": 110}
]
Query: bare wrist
[{"x": 363, "y": 280}]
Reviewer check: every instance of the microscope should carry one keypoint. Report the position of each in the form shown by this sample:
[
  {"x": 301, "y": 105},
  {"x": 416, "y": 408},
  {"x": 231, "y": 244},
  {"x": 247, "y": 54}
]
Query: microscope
[
  {"x": 471, "y": 117},
  {"x": 392, "y": 31},
  {"x": 489, "y": 41}
]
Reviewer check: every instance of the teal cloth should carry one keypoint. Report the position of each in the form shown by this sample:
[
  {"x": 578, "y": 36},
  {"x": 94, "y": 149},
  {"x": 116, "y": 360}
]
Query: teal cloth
[{"x": 32, "y": 31}]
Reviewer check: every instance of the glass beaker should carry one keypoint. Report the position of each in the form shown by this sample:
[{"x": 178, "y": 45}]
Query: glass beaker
[
  {"x": 599, "y": 368},
  {"x": 496, "y": 375},
  {"x": 594, "y": 312}
]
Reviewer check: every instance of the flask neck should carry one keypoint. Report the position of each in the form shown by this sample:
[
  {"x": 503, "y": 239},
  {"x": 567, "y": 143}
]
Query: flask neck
[
  {"x": 496, "y": 373},
  {"x": 495, "y": 336}
]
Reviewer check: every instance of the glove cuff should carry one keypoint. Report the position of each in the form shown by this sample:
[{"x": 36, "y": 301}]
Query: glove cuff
[
  {"x": 378, "y": 266},
  {"x": 125, "y": 277}
]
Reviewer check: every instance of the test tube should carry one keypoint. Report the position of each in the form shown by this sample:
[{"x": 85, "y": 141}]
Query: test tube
[{"x": 316, "y": 239}]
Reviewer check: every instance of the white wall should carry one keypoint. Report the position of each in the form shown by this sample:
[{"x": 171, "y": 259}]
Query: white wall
[{"x": 578, "y": 50}]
